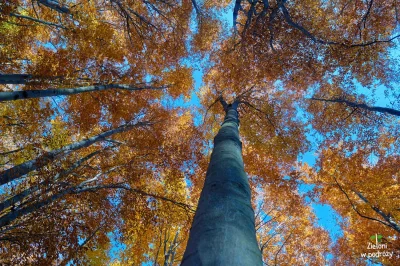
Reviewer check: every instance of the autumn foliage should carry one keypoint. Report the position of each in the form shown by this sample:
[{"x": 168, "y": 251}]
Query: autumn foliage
[{"x": 106, "y": 136}]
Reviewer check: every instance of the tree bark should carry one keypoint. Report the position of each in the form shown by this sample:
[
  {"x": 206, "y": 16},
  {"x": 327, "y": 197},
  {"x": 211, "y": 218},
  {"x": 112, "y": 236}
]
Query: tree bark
[
  {"x": 55, "y": 6},
  {"x": 11, "y": 216},
  {"x": 23, "y": 195},
  {"x": 24, "y": 168},
  {"x": 223, "y": 230},
  {"x": 29, "y": 94},
  {"x": 38, "y": 20},
  {"x": 364, "y": 106},
  {"x": 14, "y": 78}
]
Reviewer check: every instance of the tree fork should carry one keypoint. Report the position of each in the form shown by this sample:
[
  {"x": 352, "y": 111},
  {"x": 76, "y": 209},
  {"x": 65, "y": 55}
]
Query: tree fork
[{"x": 223, "y": 229}]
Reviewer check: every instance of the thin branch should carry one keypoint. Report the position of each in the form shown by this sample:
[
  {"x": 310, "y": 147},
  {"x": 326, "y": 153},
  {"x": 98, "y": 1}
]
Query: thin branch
[
  {"x": 9, "y": 152},
  {"x": 320, "y": 41},
  {"x": 138, "y": 191},
  {"x": 354, "y": 207},
  {"x": 238, "y": 7},
  {"x": 384, "y": 110},
  {"x": 30, "y": 94},
  {"x": 90, "y": 237},
  {"x": 196, "y": 7},
  {"x": 387, "y": 218},
  {"x": 209, "y": 107},
  {"x": 223, "y": 102},
  {"x": 37, "y": 20},
  {"x": 283, "y": 244},
  {"x": 352, "y": 112},
  {"x": 364, "y": 19},
  {"x": 250, "y": 13},
  {"x": 266, "y": 115}
]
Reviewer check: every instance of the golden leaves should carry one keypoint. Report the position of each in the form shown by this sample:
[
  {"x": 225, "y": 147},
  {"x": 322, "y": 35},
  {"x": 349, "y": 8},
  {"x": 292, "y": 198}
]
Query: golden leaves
[
  {"x": 179, "y": 80},
  {"x": 59, "y": 135},
  {"x": 206, "y": 35}
]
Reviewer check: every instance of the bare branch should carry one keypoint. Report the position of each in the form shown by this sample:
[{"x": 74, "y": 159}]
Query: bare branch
[
  {"x": 30, "y": 94},
  {"x": 317, "y": 40},
  {"x": 364, "y": 106},
  {"x": 55, "y": 6},
  {"x": 238, "y": 7},
  {"x": 38, "y": 20},
  {"x": 354, "y": 207}
]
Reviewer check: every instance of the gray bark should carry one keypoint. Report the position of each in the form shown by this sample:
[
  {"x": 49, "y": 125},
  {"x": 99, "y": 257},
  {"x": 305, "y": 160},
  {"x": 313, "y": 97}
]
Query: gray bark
[
  {"x": 14, "y": 78},
  {"x": 170, "y": 256},
  {"x": 23, "y": 195},
  {"x": 364, "y": 106},
  {"x": 37, "y": 20},
  {"x": 22, "y": 169},
  {"x": 28, "y": 94},
  {"x": 223, "y": 230},
  {"x": 55, "y": 6},
  {"x": 15, "y": 214}
]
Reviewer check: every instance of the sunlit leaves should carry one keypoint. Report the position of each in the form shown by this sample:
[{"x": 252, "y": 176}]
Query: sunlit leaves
[{"x": 180, "y": 81}]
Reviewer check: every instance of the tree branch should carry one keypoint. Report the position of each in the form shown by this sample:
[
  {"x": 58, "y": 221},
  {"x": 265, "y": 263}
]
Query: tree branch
[
  {"x": 55, "y": 6},
  {"x": 223, "y": 102},
  {"x": 364, "y": 106},
  {"x": 38, "y": 20},
  {"x": 13, "y": 215},
  {"x": 354, "y": 207},
  {"x": 386, "y": 217},
  {"x": 238, "y": 7},
  {"x": 24, "y": 168},
  {"x": 317, "y": 40},
  {"x": 30, "y": 94}
]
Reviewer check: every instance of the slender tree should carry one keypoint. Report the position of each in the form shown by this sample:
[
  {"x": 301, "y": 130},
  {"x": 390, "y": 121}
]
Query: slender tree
[
  {"x": 24, "y": 168},
  {"x": 28, "y": 94},
  {"x": 223, "y": 230}
]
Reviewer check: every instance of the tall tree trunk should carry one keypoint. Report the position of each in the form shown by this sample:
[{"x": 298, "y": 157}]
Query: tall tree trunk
[
  {"x": 14, "y": 78},
  {"x": 22, "y": 169},
  {"x": 223, "y": 230},
  {"x": 28, "y": 192},
  {"x": 12, "y": 215},
  {"x": 29, "y": 94}
]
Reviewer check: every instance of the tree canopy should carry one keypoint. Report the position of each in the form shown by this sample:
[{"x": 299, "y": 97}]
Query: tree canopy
[{"x": 106, "y": 128}]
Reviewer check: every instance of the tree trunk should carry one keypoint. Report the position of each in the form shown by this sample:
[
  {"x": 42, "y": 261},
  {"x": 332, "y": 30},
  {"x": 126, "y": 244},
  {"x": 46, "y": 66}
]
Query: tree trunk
[
  {"x": 24, "y": 168},
  {"x": 12, "y": 215},
  {"x": 29, "y": 94},
  {"x": 364, "y": 106},
  {"x": 14, "y": 78},
  {"x": 28, "y": 192},
  {"x": 55, "y": 6},
  {"x": 223, "y": 230}
]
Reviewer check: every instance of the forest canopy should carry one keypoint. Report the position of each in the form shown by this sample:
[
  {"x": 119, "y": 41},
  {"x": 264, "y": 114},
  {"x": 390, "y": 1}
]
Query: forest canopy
[{"x": 113, "y": 116}]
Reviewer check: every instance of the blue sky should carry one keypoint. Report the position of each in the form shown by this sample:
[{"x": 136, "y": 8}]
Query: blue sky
[{"x": 327, "y": 217}]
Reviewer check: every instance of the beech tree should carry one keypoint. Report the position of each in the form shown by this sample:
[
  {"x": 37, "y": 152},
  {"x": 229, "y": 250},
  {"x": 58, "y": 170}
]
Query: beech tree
[
  {"x": 284, "y": 50},
  {"x": 63, "y": 166},
  {"x": 224, "y": 204},
  {"x": 97, "y": 141}
]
